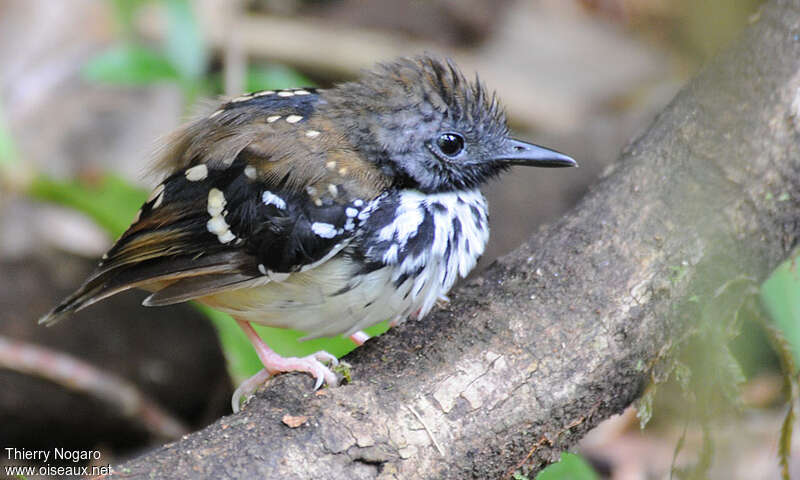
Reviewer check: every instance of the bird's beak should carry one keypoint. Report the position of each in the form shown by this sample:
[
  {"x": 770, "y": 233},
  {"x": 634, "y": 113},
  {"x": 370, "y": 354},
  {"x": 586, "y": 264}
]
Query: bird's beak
[{"x": 522, "y": 153}]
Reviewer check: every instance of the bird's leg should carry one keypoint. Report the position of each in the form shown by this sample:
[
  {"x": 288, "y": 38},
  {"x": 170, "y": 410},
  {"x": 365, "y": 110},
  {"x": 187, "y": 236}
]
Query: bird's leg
[
  {"x": 359, "y": 338},
  {"x": 274, "y": 364}
]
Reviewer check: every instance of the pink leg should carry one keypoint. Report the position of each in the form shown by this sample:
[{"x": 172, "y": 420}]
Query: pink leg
[
  {"x": 274, "y": 364},
  {"x": 359, "y": 338}
]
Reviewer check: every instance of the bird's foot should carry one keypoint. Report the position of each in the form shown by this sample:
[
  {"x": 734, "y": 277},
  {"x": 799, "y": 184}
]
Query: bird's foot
[
  {"x": 274, "y": 364},
  {"x": 313, "y": 364}
]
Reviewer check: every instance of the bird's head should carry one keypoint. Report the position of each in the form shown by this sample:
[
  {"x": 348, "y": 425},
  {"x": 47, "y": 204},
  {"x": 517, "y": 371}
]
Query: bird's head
[{"x": 427, "y": 127}]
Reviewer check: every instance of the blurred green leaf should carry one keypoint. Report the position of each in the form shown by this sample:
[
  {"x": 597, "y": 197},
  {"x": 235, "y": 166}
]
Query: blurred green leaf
[
  {"x": 110, "y": 200},
  {"x": 286, "y": 342},
  {"x": 125, "y": 13},
  {"x": 265, "y": 77},
  {"x": 780, "y": 295},
  {"x": 242, "y": 359},
  {"x": 130, "y": 64},
  {"x": 274, "y": 77},
  {"x": 184, "y": 47},
  {"x": 239, "y": 354},
  {"x": 570, "y": 467},
  {"x": 8, "y": 151}
]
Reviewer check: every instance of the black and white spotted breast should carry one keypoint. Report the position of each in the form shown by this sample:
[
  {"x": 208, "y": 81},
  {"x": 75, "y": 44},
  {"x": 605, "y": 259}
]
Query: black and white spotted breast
[{"x": 424, "y": 241}]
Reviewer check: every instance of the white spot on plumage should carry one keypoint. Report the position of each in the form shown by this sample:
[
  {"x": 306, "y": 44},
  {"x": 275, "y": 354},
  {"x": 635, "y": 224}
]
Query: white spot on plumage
[
  {"x": 262, "y": 269},
  {"x": 350, "y": 212},
  {"x": 250, "y": 172},
  {"x": 242, "y": 98},
  {"x": 311, "y": 190},
  {"x": 330, "y": 165},
  {"x": 285, "y": 93},
  {"x": 294, "y": 118},
  {"x": 312, "y": 133},
  {"x": 216, "y": 202},
  {"x": 217, "y": 225},
  {"x": 333, "y": 190},
  {"x": 273, "y": 118},
  {"x": 216, "y": 113},
  {"x": 364, "y": 214},
  {"x": 270, "y": 198},
  {"x": 343, "y": 171},
  {"x": 197, "y": 173},
  {"x": 302, "y": 92},
  {"x": 159, "y": 200},
  {"x": 156, "y": 192},
  {"x": 264, "y": 92},
  {"x": 358, "y": 202},
  {"x": 324, "y": 230},
  {"x": 226, "y": 237},
  {"x": 318, "y": 202}
]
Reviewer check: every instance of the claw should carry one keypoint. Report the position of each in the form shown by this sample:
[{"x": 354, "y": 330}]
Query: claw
[
  {"x": 247, "y": 388},
  {"x": 325, "y": 357},
  {"x": 273, "y": 364}
]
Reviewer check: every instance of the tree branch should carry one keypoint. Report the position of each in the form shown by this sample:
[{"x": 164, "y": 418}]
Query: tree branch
[{"x": 561, "y": 333}]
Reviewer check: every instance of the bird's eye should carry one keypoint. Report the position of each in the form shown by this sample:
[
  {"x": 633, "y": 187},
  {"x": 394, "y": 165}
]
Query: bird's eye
[{"x": 451, "y": 144}]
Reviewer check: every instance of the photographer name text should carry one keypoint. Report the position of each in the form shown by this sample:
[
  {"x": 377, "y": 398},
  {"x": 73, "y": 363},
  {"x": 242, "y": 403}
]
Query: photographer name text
[{"x": 56, "y": 454}]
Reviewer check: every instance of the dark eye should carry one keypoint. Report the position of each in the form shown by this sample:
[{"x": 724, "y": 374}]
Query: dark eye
[{"x": 450, "y": 144}]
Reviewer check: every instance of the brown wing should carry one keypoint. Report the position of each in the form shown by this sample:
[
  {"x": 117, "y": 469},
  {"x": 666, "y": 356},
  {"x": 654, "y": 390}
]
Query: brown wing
[{"x": 257, "y": 188}]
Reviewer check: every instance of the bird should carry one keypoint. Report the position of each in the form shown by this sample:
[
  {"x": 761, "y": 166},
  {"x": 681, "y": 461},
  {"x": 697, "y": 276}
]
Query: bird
[{"x": 321, "y": 210}]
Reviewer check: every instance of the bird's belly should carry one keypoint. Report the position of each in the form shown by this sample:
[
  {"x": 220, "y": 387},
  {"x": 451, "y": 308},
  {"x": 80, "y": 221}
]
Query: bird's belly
[{"x": 329, "y": 300}]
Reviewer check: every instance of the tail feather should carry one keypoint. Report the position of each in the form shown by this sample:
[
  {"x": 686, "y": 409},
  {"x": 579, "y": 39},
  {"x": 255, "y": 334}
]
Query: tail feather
[
  {"x": 153, "y": 275},
  {"x": 82, "y": 298},
  {"x": 186, "y": 289}
]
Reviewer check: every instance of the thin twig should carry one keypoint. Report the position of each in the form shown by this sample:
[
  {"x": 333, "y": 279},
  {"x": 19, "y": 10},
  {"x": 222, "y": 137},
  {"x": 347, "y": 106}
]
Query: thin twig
[
  {"x": 235, "y": 57},
  {"x": 77, "y": 375},
  {"x": 427, "y": 429}
]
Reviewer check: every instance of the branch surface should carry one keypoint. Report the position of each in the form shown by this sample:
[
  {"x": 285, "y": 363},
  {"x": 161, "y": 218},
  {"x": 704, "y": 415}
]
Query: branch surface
[{"x": 563, "y": 332}]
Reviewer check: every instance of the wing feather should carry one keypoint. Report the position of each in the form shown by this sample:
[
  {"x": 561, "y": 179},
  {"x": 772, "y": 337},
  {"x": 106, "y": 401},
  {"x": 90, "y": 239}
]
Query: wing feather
[{"x": 283, "y": 203}]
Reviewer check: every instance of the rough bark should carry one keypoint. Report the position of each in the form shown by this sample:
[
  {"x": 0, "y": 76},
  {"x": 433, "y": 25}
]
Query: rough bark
[{"x": 559, "y": 334}]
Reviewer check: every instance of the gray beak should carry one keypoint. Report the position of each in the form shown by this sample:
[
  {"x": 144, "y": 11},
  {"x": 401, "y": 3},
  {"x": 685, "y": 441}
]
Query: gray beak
[{"x": 523, "y": 153}]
